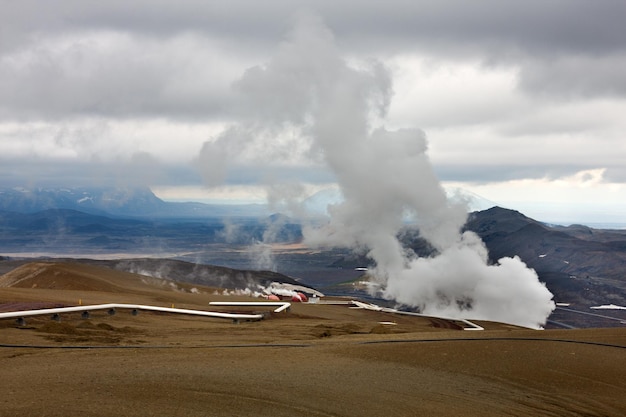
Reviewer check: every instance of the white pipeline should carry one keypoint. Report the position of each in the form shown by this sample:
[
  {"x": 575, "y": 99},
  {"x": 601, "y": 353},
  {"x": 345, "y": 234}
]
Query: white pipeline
[
  {"x": 374, "y": 307},
  {"x": 282, "y": 305},
  {"x": 60, "y": 310}
]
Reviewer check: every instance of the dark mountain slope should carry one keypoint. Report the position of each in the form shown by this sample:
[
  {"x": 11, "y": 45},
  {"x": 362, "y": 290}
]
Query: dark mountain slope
[
  {"x": 584, "y": 271},
  {"x": 209, "y": 275},
  {"x": 507, "y": 233}
]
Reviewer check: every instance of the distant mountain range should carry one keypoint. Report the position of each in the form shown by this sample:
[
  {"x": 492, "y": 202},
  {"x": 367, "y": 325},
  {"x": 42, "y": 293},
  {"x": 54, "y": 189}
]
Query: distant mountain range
[
  {"x": 142, "y": 203},
  {"x": 580, "y": 265},
  {"x": 116, "y": 202}
]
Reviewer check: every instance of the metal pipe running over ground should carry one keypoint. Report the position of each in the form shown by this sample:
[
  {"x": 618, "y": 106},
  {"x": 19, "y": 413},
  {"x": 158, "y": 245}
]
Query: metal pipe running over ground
[
  {"x": 374, "y": 307},
  {"x": 282, "y": 305},
  {"x": 231, "y": 316}
]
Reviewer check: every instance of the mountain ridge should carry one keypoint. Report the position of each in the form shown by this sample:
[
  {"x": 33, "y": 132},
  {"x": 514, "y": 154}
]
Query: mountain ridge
[
  {"x": 137, "y": 202},
  {"x": 579, "y": 264}
]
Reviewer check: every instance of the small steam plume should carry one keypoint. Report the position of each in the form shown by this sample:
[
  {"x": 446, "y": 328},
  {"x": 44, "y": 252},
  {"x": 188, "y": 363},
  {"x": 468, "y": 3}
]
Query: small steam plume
[
  {"x": 259, "y": 251},
  {"x": 385, "y": 176},
  {"x": 262, "y": 257}
]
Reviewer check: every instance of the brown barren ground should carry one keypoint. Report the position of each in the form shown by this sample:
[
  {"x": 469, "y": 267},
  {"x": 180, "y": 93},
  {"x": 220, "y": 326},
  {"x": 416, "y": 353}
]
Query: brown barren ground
[{"x": 318, "y": 360}]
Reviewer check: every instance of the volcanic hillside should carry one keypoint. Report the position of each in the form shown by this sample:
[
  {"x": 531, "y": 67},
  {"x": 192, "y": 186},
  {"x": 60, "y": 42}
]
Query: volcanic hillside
[
  {"x": 340, "y": 360},
  {"x": 45, "y": 284},
  {"x": 579, "y": 265},
  {"x": 81, "y": 277}
]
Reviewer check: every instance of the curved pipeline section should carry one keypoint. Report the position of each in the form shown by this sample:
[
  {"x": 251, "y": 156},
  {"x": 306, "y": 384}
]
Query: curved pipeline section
[{"x": 231, "y": 316}]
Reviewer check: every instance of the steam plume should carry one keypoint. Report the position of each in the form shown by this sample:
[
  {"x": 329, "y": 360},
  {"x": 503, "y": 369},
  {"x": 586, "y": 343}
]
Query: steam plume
[{"x": 385, "y": 177}]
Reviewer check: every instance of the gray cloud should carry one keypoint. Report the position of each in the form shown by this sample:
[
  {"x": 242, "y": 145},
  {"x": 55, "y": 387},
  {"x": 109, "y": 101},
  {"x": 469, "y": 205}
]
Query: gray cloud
[
  {"x": 113, "y": 75},
  {"x": 140, "y": 170},
  {"x": 535, "y": 25},
  {"x": 84, "y": 68},
  {"x": 572, "y": 76},
  {"x": 166, "y": 58}
]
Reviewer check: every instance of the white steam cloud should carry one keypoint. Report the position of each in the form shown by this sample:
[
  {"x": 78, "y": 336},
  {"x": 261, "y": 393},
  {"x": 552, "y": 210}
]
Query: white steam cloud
[{"x": 335, "y": 108}]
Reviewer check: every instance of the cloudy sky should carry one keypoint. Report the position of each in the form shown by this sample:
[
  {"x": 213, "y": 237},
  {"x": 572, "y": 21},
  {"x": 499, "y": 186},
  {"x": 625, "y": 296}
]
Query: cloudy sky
[{"x": 522, "y": 103}]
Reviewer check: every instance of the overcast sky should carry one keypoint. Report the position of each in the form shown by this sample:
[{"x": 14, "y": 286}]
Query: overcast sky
[{"x": 523, "y": 103}]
